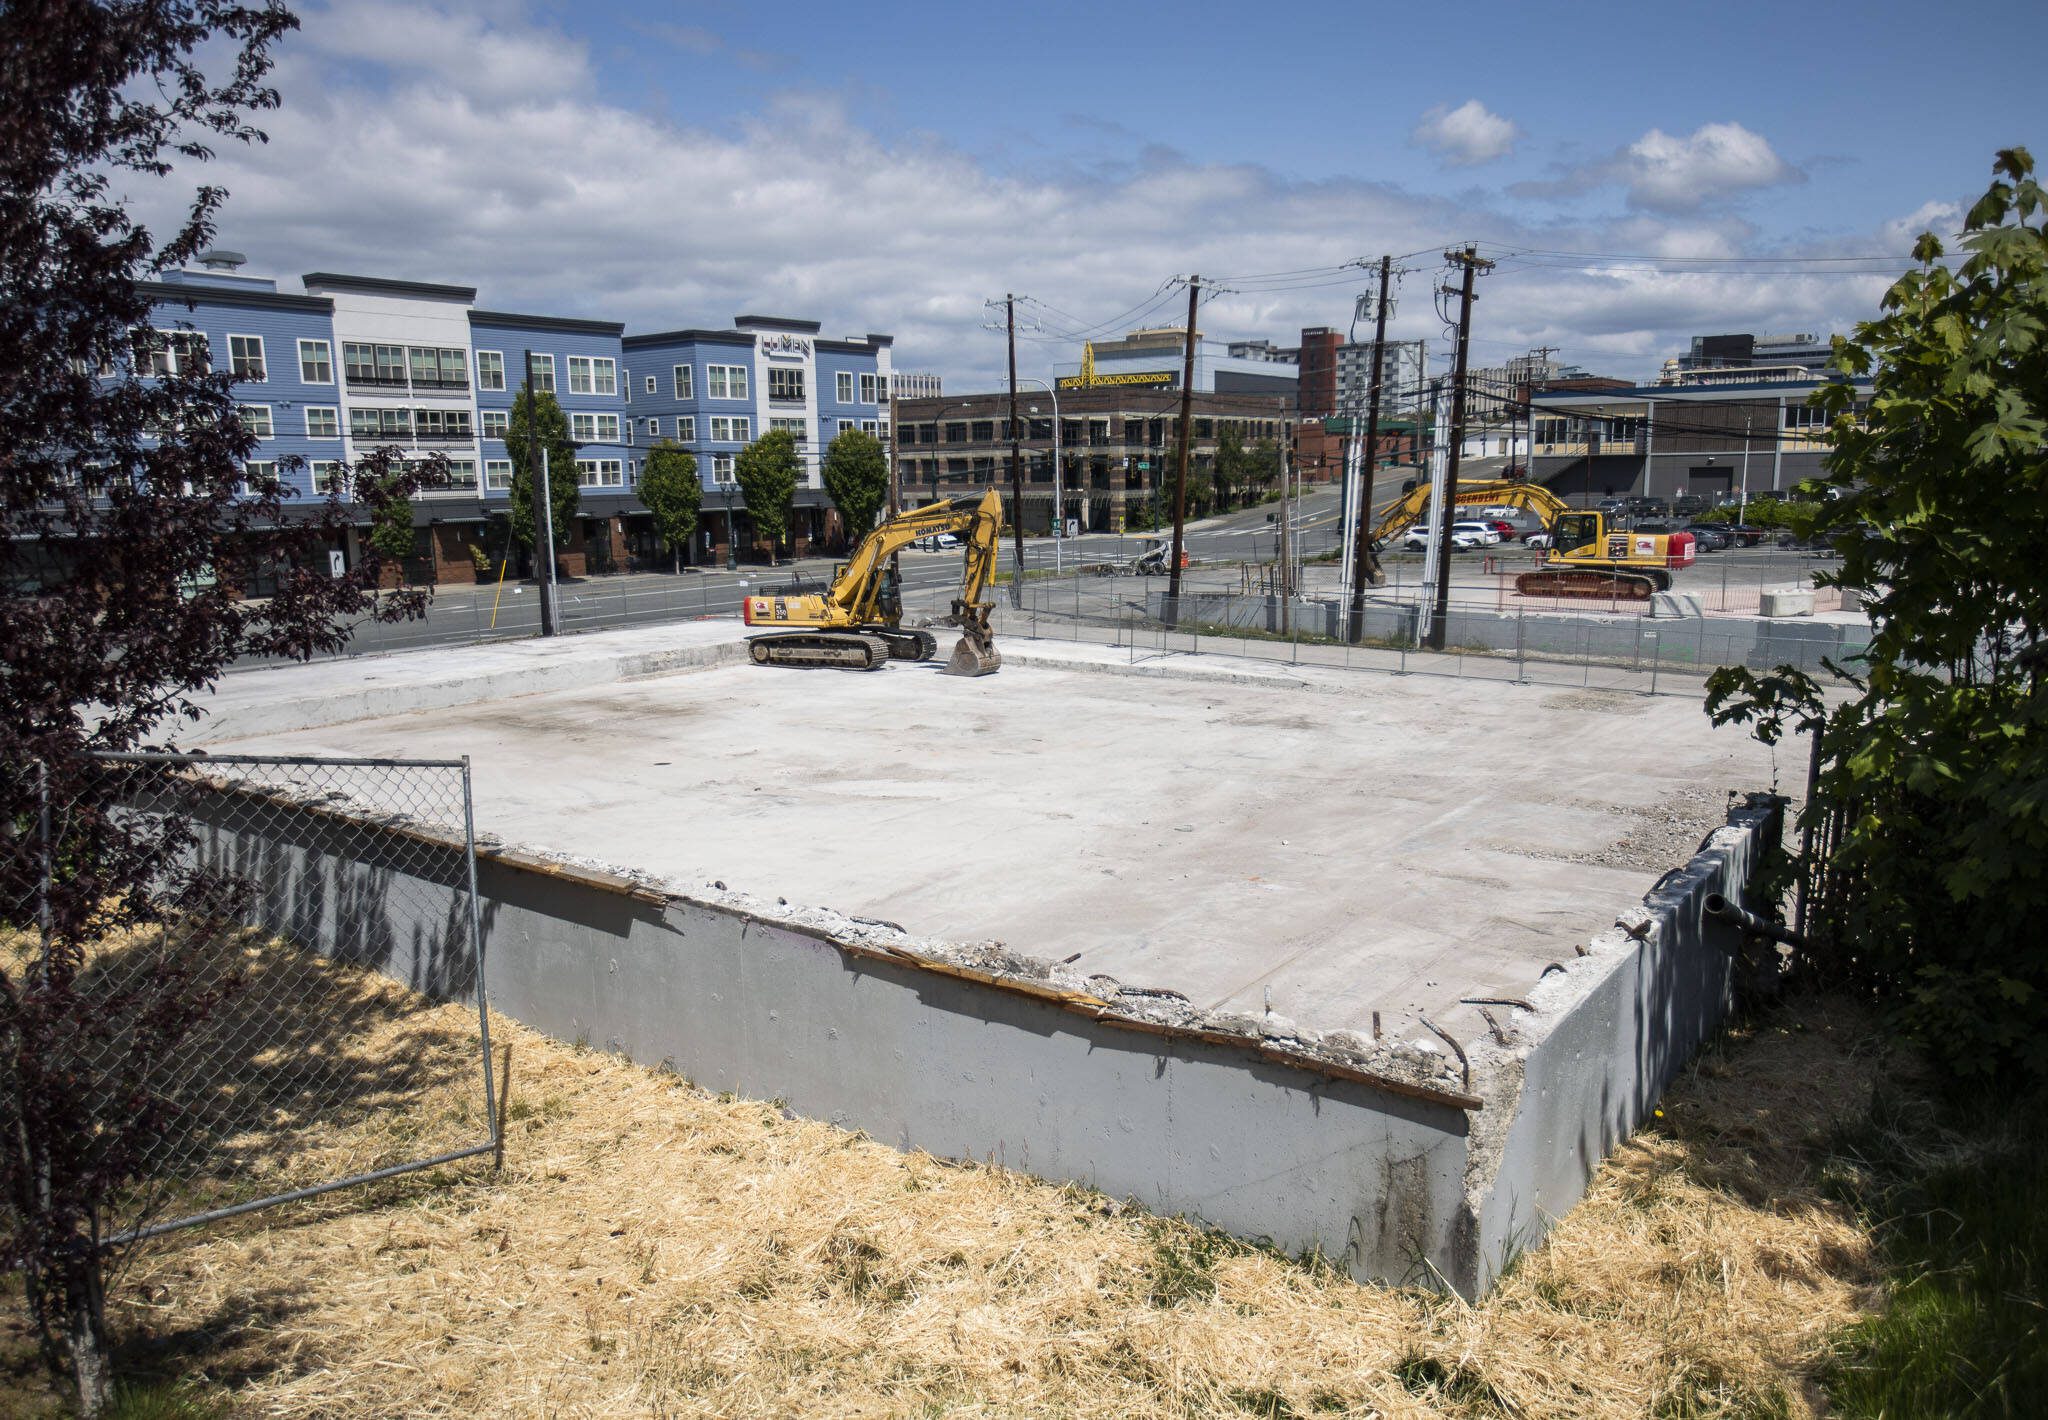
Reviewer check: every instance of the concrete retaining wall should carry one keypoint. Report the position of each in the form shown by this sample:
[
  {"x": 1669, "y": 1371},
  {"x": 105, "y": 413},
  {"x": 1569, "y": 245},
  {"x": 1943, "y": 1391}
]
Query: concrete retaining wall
[
  {"x": 1758, "y": 642},
  {"x": 1390, "y": 1181}
]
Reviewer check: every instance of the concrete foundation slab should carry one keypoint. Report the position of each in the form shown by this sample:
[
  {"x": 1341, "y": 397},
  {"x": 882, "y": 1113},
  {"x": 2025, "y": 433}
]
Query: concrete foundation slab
[{"x": 1362, "y": 964}]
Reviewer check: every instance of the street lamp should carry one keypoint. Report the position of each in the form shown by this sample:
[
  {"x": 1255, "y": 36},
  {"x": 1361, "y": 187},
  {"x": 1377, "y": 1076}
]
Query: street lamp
[
  {"x": 1059, "y": 498},
  {"x": 732, "y": 537}
]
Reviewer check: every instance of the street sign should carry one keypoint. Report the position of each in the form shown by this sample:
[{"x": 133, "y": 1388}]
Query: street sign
[{"x": 1144, "y": 466}]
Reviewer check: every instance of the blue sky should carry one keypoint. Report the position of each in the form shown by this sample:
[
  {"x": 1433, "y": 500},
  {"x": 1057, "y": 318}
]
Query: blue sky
[{"x": 891, "y": 167}]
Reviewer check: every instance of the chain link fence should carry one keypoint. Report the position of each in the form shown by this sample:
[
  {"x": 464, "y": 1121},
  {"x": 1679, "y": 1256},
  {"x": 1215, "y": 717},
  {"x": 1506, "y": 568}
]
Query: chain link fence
[
  {"x": 1588, "y": 647},
  {"x": 277, "y": 971}
]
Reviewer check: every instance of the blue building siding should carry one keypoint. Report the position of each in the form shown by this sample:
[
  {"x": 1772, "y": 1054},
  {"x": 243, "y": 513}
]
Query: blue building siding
[
  {"x": 278, "y": 324},
  {"x": 592, "y": 413},
  {"x": 659, "y": 357}
]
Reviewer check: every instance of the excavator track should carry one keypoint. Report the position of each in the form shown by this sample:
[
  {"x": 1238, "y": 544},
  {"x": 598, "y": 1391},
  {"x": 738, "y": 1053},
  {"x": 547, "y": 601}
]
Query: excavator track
[
  {"x": 906, "y": 645},
  {"x": 834, "y": 650},
  {"x": 1592, "y": 584}
]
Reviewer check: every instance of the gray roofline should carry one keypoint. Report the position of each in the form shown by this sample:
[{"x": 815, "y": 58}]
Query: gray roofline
[
  {"x": 670, "y": 337},
  {"x": 199, "y": 293},
  {"x": 844, "y": 347},
  {"x": 378, "y": 285},
  {"x": 1694, "y": 393},
  {"x": 805, "y": 327},
  {"x": 575, "y": 323}
]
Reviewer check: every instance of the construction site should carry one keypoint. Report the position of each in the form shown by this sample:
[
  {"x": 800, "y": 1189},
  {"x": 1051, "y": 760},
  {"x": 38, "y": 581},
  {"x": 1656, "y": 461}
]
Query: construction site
[{"x": 1371, "y": 968}]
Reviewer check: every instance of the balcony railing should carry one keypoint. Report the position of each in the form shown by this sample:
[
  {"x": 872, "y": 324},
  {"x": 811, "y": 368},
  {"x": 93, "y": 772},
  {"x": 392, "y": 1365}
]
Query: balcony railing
[
  {"x": 356, "y": 380},
  {"x": 443, "y": 436},
  {"x": 459, "y": 383}
]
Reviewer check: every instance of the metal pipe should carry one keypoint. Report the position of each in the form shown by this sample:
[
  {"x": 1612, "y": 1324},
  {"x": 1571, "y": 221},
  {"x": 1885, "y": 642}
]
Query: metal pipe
[{"x": 1723, "y": 910}]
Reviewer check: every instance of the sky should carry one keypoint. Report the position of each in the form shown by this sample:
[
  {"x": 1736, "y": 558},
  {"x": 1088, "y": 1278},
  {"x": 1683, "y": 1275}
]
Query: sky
[{"x": 1641, "y": 174}]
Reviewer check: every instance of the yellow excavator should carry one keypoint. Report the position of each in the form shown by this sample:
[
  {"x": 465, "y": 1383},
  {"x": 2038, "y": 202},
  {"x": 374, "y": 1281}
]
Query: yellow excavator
[
  {"x": 1586, "y": 558},
  {"x": 857, "y": 623}
]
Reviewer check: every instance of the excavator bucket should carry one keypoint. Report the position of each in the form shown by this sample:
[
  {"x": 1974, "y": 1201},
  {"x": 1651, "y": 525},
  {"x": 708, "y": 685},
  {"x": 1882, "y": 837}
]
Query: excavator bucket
[{"x": 975, "y": 653}]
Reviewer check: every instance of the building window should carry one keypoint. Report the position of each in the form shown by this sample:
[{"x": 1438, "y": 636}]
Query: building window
[
  {"x": 380, "y": 424},
  {"x": 461, "y": 476},
  {"x": 498, "y": 473},
  {"x": 171, "y": 352},
  {"x": 786, "y": 386},
  {"x": 842, "y": 384},
  {"x": 626, "y": 385},
  {"x": 651, "y": 427},
  {"x": 845, "y": 424},
  {"x": 600, "y": 473},
  {"x": 686, "y": 428},
  {"x": 867, "y": 426},
  {"x": 725, "y": 381},
  {"x": 797, "y": 427},
  {"x": 490, "y": 369},
  {"x": 446, "y": 425},
  {"x": 494, "y": 422},
  {"x": 957, "y": 433},
  {"x": 437, "y": 368},
  {"x": 322, "y": 422},
  {"x": 685, "y": 382},
  {"x": 544, "y": 374},
  {"x": 381, "y": 365},
  {"x": 591, "y": 374},
  {"x": 735, "y": 430},
  {"x": 594, "y": 428},
  {"x": 326, "y": 476},
  {"x": 316, "y": 362},
  {"x": 256, "y": 419},
  {"x": 245, "y": 354},
  {"x": 628, "y": 431},
  {"x": 258, "y": 475},
  {"x": 721, "y": 468},
  {"x": 985, "y": 430},
  {"x": 873, "y": 389},
  {"x": 1801, "y": 417},
  {"x": 650, "y": 379}
]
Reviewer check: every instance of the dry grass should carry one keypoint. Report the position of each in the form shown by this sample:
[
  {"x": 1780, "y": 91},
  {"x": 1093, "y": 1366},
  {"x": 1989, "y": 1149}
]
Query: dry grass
[{"x": 652, "y": 1250}]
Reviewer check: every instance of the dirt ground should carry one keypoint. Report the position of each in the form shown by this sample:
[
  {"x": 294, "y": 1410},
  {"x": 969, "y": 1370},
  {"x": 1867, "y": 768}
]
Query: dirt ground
[{"x": 650, "y": 1249}]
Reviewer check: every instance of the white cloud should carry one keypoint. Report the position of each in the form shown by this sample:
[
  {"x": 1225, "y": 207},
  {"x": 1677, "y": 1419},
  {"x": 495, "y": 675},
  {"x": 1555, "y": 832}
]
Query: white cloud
[
  {"x": 1714, "y": 164},
  {"x": 1944, "y": 219},
  {"x": 464, "y": 166},
  {"x": 1466, "y": 135},
  {"x": 1667, "y": 174}
]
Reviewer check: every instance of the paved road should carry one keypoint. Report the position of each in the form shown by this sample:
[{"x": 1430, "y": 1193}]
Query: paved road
[{"x": 459, "y": 615}]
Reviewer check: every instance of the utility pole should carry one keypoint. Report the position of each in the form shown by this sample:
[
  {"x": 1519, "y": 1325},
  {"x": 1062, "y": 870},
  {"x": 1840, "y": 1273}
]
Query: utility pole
[
  {"x": 1470, "y": 260},
  {"x": 544, "y": 507},
  {"x": 1180, "y": 479},
  {"x": 1542, "y": 354},
  {"x": 1286, "y": 567},
  {"x": 1365, "y": 567},
  {"x": 1016, "y": 460}
]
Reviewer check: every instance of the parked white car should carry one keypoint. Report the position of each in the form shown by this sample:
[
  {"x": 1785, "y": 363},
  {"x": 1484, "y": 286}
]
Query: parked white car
[
  {"x": 1418, "y": 539},
  {"x": 1487, "y": 533},
  {"x": 1538, "y": 538}
]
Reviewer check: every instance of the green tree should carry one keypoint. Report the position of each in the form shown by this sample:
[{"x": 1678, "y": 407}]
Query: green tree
[
  {"x": 1232, "y": 466},
  {"x": 856, "y": 475},
  {"x": 1934, "y": 764},
  {"x": 391, "y": 530},
  {"x": 671, "y": 491},
  {"x": 538, "y": 419},
  {"x": 767, "y": 471},
  {"x": 1262, "y": 469}
]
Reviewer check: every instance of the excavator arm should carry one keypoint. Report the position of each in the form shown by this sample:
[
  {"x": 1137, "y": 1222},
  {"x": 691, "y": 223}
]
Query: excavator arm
[{"x": 854, "y": 623}]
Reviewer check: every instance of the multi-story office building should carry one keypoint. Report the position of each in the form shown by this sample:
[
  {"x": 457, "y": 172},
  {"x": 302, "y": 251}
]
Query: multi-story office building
[
  {"x": 1111, "y": 441},
  {"x": 356, "y": 363},
  {"x": 1712, "y": 432}
]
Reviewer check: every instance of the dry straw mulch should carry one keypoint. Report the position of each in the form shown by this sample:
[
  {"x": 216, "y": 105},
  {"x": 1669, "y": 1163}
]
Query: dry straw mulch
[{"x": 652, "y": 1250}]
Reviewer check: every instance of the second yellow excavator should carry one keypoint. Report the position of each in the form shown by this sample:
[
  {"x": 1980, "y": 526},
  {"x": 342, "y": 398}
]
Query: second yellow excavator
[
  {"x": 1586, "y": 557},
  {"x": 857, "y": 623}
]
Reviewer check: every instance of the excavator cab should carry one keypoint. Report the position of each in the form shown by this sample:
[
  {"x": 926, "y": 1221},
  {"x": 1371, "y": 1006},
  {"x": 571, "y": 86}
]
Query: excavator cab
[{"x": 1574, "y": 530}]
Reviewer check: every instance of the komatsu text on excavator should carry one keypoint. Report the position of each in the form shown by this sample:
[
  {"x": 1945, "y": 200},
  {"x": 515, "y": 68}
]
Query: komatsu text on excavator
[
  {"x": 1586, "y": 558},
  {"x": 857, "y": 623}
]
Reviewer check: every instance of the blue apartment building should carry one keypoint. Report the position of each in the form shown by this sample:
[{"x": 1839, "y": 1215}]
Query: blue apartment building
[
  {"x": 716, "y": 391},
  {"x": 353, "y": 363}
]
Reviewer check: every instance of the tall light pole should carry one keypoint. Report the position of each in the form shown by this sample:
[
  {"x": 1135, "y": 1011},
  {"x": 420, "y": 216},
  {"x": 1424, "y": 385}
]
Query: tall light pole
[{"x": 1059, "y": 499}]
